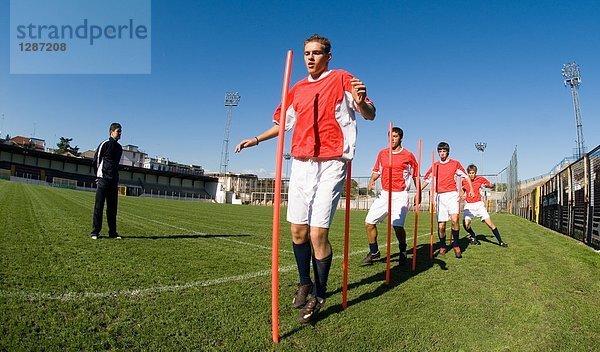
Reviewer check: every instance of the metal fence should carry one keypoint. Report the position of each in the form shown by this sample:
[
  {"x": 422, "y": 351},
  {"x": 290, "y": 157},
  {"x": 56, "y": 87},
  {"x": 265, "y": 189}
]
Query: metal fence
[
  {"x": 362, "y": 199},
  {"x": 569, "y": 201}
]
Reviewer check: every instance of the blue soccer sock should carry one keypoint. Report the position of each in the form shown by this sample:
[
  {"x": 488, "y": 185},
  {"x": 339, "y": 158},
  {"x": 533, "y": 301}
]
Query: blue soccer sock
[
  {"x": 455, "y": 238},
  {"x": 321, "y": 270},
  {"x": 497, "y": 234},
  {"x": 373, "y": 247},
  {"x": 443, "y": 242},
  {"x": 471, "y": 232},
  {"x": 302, "y": 252},
  {"x": 403, "y": 247}
]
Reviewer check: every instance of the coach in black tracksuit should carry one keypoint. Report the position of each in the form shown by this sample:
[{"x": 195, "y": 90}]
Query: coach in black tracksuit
[{"x": 106, "y": 166}]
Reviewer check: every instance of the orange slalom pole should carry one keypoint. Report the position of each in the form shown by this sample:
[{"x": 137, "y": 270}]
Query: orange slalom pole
[
  {"x": 431, "y": 205},
  {"x": 460, "y": 195},
  {"x": 417, "y": 204},
  {"x": 346, "y": 238},
  {"x": 277, "y": 202},
  {"x": 389, "y": 222}
]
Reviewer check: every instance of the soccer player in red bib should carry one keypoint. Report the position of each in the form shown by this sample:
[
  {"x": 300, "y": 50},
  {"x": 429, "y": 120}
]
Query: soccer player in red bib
[
  {"x": 321, "y": 110},
  {"x": 404, "y": 166},
  {"x": 475, "y": 208},
  {"x": 446, "y": 194}
]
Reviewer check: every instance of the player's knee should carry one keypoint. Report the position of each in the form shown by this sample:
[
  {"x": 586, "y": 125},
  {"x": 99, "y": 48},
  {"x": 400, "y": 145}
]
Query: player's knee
[{"x": 299, "y": 233}]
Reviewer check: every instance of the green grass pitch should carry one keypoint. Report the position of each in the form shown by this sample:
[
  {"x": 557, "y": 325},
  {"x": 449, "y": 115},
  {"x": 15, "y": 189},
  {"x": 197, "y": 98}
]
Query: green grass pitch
[{"x": 196, "y": 276}]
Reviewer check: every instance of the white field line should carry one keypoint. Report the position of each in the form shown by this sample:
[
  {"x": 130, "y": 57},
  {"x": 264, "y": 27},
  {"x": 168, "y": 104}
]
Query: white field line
[{"x": 73, "y": 296}]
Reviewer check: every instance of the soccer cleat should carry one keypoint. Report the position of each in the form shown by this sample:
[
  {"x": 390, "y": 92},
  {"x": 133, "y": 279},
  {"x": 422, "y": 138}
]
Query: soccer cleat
[
  {"x": 310, "y": 309},
  {"x": 116, "y": 237},
  {"x": 370, "y": 258},
  {"x": 457, "y": 252},
  {"x": 504, "y": 244},
  {"x": 302, "y": 292},
  {"x": 403, "y": 259},
  {"x": 474, "y": 240}
]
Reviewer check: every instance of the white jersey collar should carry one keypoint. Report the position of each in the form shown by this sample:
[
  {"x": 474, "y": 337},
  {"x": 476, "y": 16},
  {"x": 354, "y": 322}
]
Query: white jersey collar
[
  {"x": 398, "y": 152},
  {"x": 323, "y": 75}
]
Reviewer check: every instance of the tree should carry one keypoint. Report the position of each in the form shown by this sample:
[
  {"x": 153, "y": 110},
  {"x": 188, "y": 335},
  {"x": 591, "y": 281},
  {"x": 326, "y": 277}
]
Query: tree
[
  {"x": 353, "y": 189},
  {"x": 364, "y": 191},
  {"x": 500, "y": 187},
  {"x": 64, "y": 146}
]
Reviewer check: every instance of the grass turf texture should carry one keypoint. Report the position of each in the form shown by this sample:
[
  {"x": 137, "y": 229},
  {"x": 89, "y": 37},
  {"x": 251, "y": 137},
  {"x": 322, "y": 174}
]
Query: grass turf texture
[{"x": 195, "y": 276}]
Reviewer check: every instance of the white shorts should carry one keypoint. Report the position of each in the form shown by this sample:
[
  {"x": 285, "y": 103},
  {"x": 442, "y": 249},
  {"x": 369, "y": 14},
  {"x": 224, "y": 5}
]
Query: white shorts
[
  {"x": 476, "y": 210},
  {"x": 314, "y": 191},
  {"x": 446, "y": 204},
  {"x": 379, "y": 208}
]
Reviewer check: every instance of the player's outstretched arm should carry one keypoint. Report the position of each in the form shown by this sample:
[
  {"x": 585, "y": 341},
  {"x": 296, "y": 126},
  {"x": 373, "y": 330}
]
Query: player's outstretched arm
[
  {"x": 418, "y": 193},
  {"x": 359, "y": 93},
  {"x": 374, "y": 177},
  {"x": 266, "y": 135},
  {"x": 471, "y": 191}
]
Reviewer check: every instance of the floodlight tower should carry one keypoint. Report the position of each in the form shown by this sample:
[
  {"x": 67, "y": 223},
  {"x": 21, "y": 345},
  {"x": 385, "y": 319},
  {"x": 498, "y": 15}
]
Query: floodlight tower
[
  {"x": 572, "y": 77},
  {"x": 480, "y": 146},
  {"x": 231, "y": 99},
  {"x": 287, "y": 157}
]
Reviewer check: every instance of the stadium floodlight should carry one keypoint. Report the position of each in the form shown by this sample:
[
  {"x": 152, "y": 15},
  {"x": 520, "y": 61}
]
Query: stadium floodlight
[
  {"x": 572, "y": 78},
  {"x": 480, "y": 146},
  {"x": 287, "y": 157},
  {"x": 231, "y": 99},
  {"x": 571, "y": 74}
]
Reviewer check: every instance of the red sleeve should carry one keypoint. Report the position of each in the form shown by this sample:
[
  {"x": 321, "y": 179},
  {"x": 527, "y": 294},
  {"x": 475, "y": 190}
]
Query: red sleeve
[
  {"x": 459, "y": 167},
  {"x": 427, "y": 174},
  {"x": 377, "y": 167},
  {"x": 289, "y": 101},
  {"x": 486, "y": 181},
  {"x": 346, "y": 77},
  {"x": 415, "y": 165}
]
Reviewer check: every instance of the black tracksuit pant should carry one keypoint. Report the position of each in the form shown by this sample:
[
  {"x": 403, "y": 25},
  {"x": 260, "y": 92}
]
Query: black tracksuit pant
[{"x": 107, "y": 190}]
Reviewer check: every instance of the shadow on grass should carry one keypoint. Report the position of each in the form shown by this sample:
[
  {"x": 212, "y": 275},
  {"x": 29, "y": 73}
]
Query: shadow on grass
[
  {"x": 175, "y": 237},
  {"x": 484, "y": 238},
  {"x": 398, "y": 275}
]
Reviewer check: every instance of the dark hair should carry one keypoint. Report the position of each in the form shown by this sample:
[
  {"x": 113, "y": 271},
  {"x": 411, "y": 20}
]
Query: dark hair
[
  {"x": 320, "y": 39},
  {"x": 399, "y": 131},
  {"x": 472, "y": 167},
  {"x": 443, "y": 146},
  {"x": 114, "y": 126}
]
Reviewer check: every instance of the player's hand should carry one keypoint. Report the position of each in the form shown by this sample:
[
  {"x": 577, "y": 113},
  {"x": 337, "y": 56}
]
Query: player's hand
[
  {"x": 359, "y": 91},
  {"x": 471, "y": 194},
  {"x": 370, "y": 186},
  {"x": 245, "y": 144}
]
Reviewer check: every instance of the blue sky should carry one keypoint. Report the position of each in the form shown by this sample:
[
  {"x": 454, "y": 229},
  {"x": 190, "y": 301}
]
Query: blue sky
[{"x": 459, "y": 71}]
